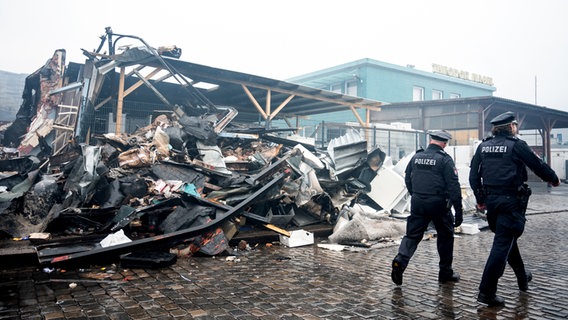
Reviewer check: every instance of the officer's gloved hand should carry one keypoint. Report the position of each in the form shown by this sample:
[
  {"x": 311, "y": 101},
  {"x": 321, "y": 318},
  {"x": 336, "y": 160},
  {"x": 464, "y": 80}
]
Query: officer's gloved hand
[{"x": 458, "y": 219}]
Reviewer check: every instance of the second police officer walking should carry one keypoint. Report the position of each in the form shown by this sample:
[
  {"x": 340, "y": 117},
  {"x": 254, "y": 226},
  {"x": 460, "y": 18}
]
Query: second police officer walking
[
  {"x": 432, "y": 181},
  {"x": 497, "y": 176}
]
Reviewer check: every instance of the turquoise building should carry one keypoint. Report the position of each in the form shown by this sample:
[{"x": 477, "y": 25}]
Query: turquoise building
[{"x": 389, "y": 83}]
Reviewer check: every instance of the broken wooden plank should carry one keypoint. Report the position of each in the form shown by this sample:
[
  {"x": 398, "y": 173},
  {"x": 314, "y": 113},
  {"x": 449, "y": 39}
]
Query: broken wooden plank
[{"x": 277, "y": 229}]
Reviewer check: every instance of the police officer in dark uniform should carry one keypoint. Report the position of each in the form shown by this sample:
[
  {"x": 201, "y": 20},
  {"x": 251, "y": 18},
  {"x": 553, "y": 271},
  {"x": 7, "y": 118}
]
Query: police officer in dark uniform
[
  {"x": 432, "y": 180},
  {"x": 497, "y": 176}
]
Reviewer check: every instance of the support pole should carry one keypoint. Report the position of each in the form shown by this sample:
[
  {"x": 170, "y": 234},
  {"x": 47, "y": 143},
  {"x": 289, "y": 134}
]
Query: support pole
[{"x": 120, "y": 101}]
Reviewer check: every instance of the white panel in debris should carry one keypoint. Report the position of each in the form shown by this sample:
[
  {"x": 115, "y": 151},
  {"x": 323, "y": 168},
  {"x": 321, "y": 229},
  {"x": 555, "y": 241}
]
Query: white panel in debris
[
  {"x": 115, "y": 238},
  {"x": 402, "y": 207},
  {"x": 297, "y": 238},
  {"x": 310, "y": 158},
  {"x": 387, "y": 188},
  {"x": 469, "y": 228},
  {"x": 212, "y": 155},
  {"x": 400, "y": 166}
]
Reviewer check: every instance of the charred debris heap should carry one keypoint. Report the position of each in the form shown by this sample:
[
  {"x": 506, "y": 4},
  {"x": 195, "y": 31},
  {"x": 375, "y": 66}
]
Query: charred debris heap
[{"x": 193, "y": 177}]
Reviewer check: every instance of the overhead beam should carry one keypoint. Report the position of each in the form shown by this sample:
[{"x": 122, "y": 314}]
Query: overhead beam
[
  {"x": 372, "y": 106},
  {"x": 156, "y": 92}
]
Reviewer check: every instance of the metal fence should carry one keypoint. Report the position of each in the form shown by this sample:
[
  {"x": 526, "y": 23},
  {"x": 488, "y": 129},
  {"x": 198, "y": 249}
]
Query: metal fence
[
  {"x": 396, "y": 143},
  {"x": 135, "y": 115}
]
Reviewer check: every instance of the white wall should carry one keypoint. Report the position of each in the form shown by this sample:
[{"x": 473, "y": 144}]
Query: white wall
[{"x": 559, "y": 157}]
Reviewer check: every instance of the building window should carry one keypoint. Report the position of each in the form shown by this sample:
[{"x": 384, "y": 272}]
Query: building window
[
  {"x": 351, "y": 88},
  {"x": 437, "y": 95},
  {"x": 454, "y": 95},
  {"x": 417, "y": 94},
  {"x": 336, "y": 88}
]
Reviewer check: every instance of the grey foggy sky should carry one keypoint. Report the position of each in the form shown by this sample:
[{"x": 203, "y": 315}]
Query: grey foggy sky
[{"x": 512, "y": 42}]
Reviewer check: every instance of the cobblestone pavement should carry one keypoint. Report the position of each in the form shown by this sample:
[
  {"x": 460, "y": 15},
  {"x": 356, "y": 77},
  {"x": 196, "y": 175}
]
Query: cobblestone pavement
[{"x": 276, "y": 282}]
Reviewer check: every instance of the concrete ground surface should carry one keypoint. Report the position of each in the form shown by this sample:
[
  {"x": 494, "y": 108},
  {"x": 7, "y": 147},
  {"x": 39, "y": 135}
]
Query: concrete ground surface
[{"x": 277, "y": 282}]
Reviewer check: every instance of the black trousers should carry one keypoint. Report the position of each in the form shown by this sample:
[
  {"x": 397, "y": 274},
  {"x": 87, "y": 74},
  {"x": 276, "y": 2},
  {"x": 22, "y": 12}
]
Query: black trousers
[
  {"x": 423, "y": 210},
  {"x": 507, "y": 220}
]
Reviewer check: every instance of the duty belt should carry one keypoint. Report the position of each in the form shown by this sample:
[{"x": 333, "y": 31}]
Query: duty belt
[
  {"x": 500, "y": 191},
  {"x": 440, "y": 194}
]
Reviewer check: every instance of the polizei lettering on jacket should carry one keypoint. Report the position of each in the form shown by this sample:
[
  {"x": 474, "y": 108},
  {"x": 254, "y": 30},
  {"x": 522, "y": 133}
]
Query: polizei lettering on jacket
[
  {"x": 494, "y": 149},
  {"x": 427, "y": 162}
]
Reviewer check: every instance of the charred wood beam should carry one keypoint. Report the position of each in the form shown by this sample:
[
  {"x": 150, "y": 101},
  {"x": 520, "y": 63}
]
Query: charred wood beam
[
  {"x": 261, "y": 176},
  {"x": 149, "y": 85}
]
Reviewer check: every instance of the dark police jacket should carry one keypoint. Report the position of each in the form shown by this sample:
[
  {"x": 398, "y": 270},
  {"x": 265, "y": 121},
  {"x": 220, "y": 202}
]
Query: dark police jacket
[
  {"x": 432, "y": 172},
  {"x": 500, "y": 163}
]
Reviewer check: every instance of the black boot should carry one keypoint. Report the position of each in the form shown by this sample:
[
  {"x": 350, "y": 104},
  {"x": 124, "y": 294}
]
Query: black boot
[
  {"x": 397, "y": 271},
  {"x": 523, "y": 278},
  {"x": 490, "y": 300},
  {"x": 524, "y": 281},
  {"x": 448, "y": 277}
]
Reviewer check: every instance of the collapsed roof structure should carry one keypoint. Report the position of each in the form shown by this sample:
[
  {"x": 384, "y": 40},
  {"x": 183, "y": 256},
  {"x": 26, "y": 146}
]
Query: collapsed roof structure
[
  {"x": 167, "y": 152},
  {"x": 153, "y": 80}
]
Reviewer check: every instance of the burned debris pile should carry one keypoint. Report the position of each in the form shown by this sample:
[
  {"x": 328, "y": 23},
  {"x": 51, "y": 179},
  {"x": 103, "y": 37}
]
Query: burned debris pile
[
  {"x": 87, "y": 177},
  {"x": 190, "y": 175},
  {"x": 165, "y": 184}
]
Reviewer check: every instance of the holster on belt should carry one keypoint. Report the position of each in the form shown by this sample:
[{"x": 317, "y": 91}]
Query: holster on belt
[{"x": 523, "y": 194}]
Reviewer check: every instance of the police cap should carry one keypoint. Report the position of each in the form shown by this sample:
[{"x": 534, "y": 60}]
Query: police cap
[
  {"x": 503, "y": 119},
  {"x": 440, "y": 135}
]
